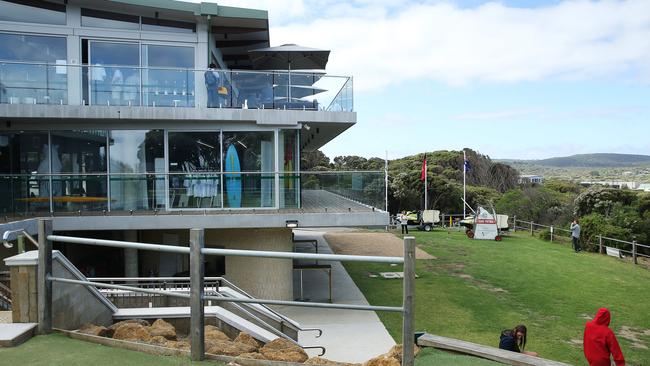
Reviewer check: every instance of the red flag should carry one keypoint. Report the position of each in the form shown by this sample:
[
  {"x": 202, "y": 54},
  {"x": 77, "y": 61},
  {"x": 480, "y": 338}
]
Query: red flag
[{"x": 423, "y": 173}]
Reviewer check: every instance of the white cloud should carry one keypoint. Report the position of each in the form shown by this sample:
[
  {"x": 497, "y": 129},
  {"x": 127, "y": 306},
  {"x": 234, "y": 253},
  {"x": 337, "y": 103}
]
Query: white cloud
[{"x": 382, "y": 46}]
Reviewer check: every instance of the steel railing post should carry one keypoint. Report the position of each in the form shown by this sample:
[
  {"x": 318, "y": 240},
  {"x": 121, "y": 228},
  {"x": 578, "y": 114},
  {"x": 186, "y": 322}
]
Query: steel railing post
[
  {"x": 408, "y": 302},
  {"x": 197, "y": 315},
  {"x": 44, "y": 272}
]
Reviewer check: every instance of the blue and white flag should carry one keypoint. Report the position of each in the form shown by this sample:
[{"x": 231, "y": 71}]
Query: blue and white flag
[{"x": 467, "y": 166}]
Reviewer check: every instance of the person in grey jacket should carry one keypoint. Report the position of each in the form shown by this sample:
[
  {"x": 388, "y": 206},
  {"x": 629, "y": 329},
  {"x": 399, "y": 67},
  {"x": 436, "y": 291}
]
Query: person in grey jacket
[{"x": 575, "y": 235}]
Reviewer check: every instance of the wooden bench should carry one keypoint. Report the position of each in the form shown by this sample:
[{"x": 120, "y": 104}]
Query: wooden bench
[
  {"x": 613, "y": 252},
  {"x": 490, "y": 353}
]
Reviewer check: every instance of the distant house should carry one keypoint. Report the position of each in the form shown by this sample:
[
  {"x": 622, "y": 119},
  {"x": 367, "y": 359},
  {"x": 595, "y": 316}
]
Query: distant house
[{"x": 534, "y": 179}]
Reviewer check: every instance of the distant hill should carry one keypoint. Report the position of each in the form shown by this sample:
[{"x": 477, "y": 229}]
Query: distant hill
[{"x": 600, "y": 160}]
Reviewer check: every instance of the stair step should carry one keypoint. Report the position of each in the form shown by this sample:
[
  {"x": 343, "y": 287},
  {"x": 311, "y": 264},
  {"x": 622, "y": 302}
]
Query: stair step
[{"x": 13, "y": 334}]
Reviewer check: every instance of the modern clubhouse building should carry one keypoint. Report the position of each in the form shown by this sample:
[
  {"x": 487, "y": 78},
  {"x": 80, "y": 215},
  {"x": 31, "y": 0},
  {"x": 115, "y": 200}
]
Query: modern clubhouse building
[{"x": 112, "y": 123}]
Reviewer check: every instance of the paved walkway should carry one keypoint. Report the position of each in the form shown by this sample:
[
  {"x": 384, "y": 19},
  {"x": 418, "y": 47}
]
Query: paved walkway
[{"x": 348, "y": 335}]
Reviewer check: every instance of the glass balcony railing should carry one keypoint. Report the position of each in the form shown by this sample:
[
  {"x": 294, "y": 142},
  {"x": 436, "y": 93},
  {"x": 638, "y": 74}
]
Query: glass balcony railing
[
  {"x": 115, "y": 85},
  {"x": 39, "y": 194}
]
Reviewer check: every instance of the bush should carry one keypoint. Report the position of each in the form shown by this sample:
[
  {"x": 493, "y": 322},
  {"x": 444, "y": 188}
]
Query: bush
[{"x": 596, "y": 224}]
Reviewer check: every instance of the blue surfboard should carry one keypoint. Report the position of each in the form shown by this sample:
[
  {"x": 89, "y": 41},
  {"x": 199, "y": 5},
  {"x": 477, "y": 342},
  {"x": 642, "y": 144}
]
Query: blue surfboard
[{"x": 233, "y": 180}]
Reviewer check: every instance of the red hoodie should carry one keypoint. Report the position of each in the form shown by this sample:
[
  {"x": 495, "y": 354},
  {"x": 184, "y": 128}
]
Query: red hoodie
[{"x": 599, "y": 341}]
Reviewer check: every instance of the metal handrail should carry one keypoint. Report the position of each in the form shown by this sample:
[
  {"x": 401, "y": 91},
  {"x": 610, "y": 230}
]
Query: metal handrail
[
  {"x": 284, "y": 319},
  {"x": 226, "y": 252},
  {"x": 184, "y": 69}
]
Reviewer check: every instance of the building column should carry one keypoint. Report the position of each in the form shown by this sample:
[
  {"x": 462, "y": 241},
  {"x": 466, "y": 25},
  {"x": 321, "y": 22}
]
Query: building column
[
  {"x": 265, "y": 278},
  {"x": 131, "y": 255}
]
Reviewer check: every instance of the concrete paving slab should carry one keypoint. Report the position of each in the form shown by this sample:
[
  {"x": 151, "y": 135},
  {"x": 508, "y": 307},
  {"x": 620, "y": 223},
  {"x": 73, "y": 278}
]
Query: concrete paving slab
[
  {"x": 14, "y": 334},
  {"x": 348, "y": 335}
]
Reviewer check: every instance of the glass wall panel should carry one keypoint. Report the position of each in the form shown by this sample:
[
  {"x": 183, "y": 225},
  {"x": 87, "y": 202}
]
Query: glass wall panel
[
  {"x": 24, "y": 79},
  {"x": 111, "y": 80},
  {"x": 168, "y": 80},
  {"x": 133, "y": 152},
  {"x": 289, "y": 166},
  {"x": 24, "y": 169},
  {"x": 31, "y": 11},
  {"x": 77, "y": 159},
  {"x": 249, "y": 152},
  {"x": 194, "y": 166}
]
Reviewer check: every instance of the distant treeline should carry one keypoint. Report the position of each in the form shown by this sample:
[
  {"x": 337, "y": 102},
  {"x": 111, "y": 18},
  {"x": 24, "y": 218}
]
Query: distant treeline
[{"x": 486, "y": 180}]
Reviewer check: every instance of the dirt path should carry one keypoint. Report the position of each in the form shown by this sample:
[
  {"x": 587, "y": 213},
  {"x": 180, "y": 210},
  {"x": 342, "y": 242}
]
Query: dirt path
[{"x": 364, "y": 243}]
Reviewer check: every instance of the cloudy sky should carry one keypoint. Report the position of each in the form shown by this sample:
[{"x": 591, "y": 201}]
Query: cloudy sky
[{"x": 512, "y": 79}]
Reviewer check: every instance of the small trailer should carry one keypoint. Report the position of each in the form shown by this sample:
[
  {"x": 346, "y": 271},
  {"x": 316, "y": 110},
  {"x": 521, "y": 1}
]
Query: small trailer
[
  {"x": 485, "y": 224},
  {"x": 423, "y": 220}
]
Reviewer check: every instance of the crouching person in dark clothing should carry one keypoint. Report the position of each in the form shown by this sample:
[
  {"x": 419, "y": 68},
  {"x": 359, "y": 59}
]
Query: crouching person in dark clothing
[{"x": 515, "y": 340}]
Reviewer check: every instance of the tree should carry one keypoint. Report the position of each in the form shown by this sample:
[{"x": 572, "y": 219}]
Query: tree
[{"x": 314, "y": 160}]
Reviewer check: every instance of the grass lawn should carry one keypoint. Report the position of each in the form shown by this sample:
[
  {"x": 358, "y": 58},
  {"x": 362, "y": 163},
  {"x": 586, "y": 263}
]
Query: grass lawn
[
  {"x": 57, "y": 349},
  {"x": 474, "y": 289}
]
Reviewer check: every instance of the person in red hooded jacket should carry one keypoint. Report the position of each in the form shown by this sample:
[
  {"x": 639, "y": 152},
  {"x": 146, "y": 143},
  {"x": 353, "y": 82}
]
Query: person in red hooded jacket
[{"x": 599, "y": 341}]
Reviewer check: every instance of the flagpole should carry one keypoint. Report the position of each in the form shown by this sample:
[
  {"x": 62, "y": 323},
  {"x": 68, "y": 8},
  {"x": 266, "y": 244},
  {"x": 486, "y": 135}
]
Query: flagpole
[
  {"x": 425, "y": 181},
  {"x": 464, "y": 180}
]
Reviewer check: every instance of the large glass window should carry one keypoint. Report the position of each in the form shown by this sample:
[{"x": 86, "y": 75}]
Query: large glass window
[
  {"x": 168, "y": 78},
  {"x": 32, "y": 11},
  {"x": 24, "y": 169},
  {"x": 134, "y": 156},
  {"x": 248, "y": 169},
  {"x": 25, "y": 76},
  {"x": 114, "y": 74},
  {"x": 78, "y": 169},
  {"x": 194, "y": 166}
]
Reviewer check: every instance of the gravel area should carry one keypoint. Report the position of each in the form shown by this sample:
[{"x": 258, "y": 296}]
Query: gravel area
[{"x": 360, "y": 243}]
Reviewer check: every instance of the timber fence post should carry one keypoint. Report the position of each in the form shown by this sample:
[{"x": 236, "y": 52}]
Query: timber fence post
[
  {"x": 634, "y": 256},
  {"x": 551, "y": 233},
  {"x": 44, "y": 274},
  {"x": 514, "y": 224},
  {"x": 600, "y": 244},
  {"x": 408, "y": 302},
  {"x": 197, "y": 314},
  {"x": 531, "y": 228}
]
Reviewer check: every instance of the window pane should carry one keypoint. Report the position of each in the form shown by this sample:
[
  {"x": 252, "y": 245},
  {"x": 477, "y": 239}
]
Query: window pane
[
  {"x": 137, "y": 151},
  {"x": 133, "y": 152},
  {"x": 117, "y": 84},
  {"x": 21, "y": 47},
  {"x": 289, "y": 164},
  {"x": 24, "y": 153},
  {"x": 30, "y": 11},
  {"x": 164, "y": 25},
  {"x": 79, "y": 152},
  {"x": 249, "y": 152},
  {"x": 168, "y": 80},
  {"x": 194, "y": 164},
  {"x": 105, "y": 19}
]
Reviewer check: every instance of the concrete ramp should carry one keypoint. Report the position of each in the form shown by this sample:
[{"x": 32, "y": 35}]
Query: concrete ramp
[{"x": 14, "y": 334}]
